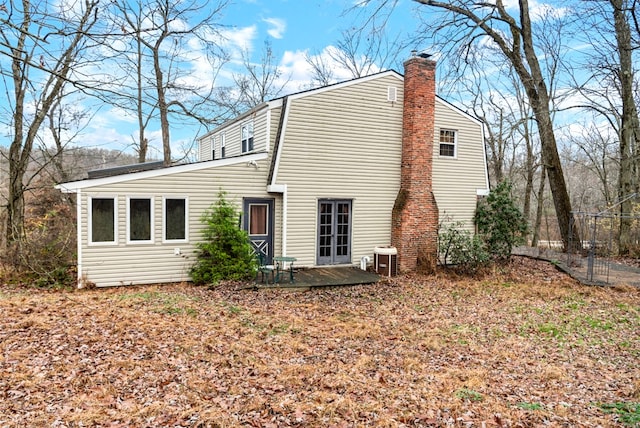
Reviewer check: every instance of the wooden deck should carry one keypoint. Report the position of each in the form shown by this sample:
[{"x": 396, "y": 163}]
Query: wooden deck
[{"x": 325, "y": 277}]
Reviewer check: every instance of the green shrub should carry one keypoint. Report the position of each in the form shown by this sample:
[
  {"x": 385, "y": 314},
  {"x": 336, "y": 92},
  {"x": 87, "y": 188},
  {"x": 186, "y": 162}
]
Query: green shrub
[
  {"x": 458, "y": 246},
  {"x": 500, "y": 223},
  {"x": 225, "y": 252}
]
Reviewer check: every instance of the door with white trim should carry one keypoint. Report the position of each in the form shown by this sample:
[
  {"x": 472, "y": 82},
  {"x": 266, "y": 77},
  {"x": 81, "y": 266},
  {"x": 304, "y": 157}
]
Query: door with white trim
[
  {"x": 334, "y": 231},
  {"x": 258, "y": 222}
]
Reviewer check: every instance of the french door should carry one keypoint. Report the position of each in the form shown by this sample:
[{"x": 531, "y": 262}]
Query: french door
[
  {"x": 258, "y": 222},
  {"x": 334, "y": 232}
]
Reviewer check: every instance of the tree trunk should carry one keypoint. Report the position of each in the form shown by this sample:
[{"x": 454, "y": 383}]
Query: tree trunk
[
  {"x": 630, "y": 129},
  {"x": 538, "y": 95},
  {"x": 538, "y": 220},
  {"x": 529, "y": 173},
  {"x": 519, "y": 49},
  {"x": 163, "y": 108},
  {"x": 22, "y": 143},
  {"x": 142, "y": 141}
]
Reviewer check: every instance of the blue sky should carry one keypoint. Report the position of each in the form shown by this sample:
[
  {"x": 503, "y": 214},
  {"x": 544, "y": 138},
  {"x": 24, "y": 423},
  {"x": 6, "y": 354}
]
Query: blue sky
[
  {"x": 294, "y": 28},
  {"x": 299, "y": 28}
]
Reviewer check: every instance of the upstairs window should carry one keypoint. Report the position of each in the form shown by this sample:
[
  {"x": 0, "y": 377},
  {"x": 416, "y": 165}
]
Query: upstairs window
[
  {"x": 222, "y": 146},
  {"x": 448, "y": 139},
  {"x": 213, "y": 148},
  {"x": 102, "y": 218},
  {"x": 247, "y": 137},
  {"x": 140, "y": 220}
]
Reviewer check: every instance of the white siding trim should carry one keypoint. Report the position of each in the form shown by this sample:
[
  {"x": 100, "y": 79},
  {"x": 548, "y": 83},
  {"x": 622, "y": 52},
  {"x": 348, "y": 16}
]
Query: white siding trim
[
  {"x": 73, "y": 186},
  {"x": 285, "y": 201},
  {"x": 486, "y": 168},
  {"x": 79, "y": 224},
  {"x": 152, "y": 213},
  {"x": 280, "y": 143},
  {"x": 267, "y": 133}
]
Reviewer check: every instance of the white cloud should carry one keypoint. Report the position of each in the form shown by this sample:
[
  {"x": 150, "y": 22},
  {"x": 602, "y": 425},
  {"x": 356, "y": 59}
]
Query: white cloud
[
  {"x": 240, "y": 39},
  {"x": 538, "y": 10},
  {"x": 277, "y": 27},
  {"x": 295, "y": 65}
]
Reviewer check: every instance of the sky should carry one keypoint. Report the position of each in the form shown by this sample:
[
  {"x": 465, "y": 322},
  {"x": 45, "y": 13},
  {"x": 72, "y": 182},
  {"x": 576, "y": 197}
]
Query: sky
[{"x": 294, "y": 28}]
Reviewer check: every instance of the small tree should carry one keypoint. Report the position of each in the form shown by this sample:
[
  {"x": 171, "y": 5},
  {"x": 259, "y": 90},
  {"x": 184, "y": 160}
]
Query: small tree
[
  {"x": 500, "y": 223},
  {"x": 225, "y": 252}
]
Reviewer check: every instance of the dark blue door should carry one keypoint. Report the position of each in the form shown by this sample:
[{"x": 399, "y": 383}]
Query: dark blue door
[{"x": 258, "y": 222}]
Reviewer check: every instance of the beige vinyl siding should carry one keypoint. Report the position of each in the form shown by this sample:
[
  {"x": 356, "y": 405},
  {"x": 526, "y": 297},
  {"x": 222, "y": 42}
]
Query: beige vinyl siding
[
  {"x": 457, "y": 180},
  {"x": 342, "y": 143},
  {"x": 132, "y": 263},
  {"x": 233, "y": 135},
  {"x": 206, "y": 147}
]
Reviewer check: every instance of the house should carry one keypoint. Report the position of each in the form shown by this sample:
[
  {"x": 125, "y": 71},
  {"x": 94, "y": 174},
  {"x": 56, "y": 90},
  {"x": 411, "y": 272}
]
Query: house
[{"x": 325, "y": 175}]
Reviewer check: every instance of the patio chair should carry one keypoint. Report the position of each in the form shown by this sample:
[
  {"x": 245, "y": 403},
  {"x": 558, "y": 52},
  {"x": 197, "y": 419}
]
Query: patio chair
[{"x": 265, "y": 270}]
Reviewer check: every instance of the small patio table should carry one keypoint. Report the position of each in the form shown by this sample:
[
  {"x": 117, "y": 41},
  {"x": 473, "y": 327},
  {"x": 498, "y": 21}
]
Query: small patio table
[{"x": 281, "y": 267}]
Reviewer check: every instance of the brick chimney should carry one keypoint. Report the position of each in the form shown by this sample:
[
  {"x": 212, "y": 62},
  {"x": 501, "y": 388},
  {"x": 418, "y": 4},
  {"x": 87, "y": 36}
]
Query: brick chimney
[{"x": 414, "y": 227}]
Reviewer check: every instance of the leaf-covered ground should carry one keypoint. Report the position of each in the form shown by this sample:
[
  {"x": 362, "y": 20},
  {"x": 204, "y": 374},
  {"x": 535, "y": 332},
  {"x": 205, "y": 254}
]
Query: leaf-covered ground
[{"x": 519, "y": 347}]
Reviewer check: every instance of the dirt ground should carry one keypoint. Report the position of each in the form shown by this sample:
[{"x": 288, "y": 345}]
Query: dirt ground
[{"x": 516, "y": 347}]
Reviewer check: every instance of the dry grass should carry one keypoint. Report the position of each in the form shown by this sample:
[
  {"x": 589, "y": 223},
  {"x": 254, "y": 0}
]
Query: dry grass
[{"x": 519, "y": 347}]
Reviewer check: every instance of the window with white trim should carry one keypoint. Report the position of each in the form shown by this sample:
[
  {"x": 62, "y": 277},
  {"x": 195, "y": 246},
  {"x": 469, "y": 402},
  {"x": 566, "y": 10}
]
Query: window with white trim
[
  {"x": 448, "y": 138},
  {"x": 102, "y": 221},
  {"x": 140, "y": 220},
  {"x": 247, "y": 137},
  {"x": 223, "y": 141},
  {"x": 213, "y": 148},
  {"x": 175, "y": 219}
]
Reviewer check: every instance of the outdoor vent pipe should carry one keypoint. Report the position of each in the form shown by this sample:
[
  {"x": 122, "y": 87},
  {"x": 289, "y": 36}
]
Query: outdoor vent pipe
[{"x": 363, "y": 262}]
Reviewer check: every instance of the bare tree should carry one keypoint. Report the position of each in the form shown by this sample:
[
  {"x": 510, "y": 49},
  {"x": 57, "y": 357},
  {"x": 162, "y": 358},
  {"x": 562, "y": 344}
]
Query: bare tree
[
  {"x": 322, "y": 74},
  {"x": 65, "y": 124},
  {"x": 630, "y": 130},
  {"x": 360, "y": 51},
  {"x": 159, "y": 36},
  {"x": 259, "y": 82},
  {"x": 610, "y": 89},
  {"x": 363, "y": 51},
  {"x": 43, "y": 42},
  {"x": 463, "y": 24}
]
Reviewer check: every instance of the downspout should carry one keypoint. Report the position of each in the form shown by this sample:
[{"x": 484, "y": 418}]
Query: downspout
[{"x": 284, "y": 220}]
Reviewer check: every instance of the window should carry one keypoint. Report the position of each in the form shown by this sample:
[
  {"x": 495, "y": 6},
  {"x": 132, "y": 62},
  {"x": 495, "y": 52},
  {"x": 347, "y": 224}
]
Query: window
[
  {"x": 247, "y": 137},
  {"x": 213, "y": 148},
  {"x": 102, "y": 217},
  {"x": 258, "y": 219},
  {"x": 222, "y": 146},
  {"x": 140, "y": 220},
  {"x": 175, "y": 219},
  {"x": 448, "y": 143}
]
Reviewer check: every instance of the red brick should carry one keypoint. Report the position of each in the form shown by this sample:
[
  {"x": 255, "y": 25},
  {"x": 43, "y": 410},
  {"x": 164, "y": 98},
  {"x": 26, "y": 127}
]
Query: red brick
[{"x": 415, "y": 214}]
